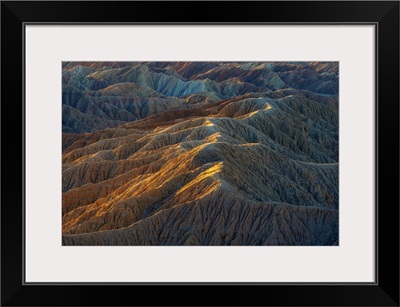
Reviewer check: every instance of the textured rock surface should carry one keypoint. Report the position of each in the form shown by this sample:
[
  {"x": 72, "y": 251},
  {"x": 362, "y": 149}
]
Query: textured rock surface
[
  {"x": 222, "y": 154},
  {"x": 102, "y": 94}
]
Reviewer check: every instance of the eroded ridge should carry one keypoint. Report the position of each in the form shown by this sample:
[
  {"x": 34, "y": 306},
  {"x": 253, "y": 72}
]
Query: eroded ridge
[{"x": 200, "y": 153}]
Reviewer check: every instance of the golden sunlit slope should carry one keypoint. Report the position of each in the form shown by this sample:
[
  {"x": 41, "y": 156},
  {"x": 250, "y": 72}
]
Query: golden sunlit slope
[{"x": 255, "y": 169}]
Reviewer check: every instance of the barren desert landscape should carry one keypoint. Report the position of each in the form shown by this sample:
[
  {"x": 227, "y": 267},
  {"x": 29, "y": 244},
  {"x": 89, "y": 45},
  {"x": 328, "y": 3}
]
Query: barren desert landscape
[{"x": 200, "y": 153}]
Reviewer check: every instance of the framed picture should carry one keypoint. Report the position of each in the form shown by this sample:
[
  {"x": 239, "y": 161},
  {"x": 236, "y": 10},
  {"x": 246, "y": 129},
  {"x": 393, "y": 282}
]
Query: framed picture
[{"x": 210, "y": 153}]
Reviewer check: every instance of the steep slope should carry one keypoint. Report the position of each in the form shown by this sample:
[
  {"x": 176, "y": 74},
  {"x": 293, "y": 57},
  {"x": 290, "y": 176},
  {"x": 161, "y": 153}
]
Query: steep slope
[
  {"x": 99, "y": 95},
  {"x": 255, "y": 169}
]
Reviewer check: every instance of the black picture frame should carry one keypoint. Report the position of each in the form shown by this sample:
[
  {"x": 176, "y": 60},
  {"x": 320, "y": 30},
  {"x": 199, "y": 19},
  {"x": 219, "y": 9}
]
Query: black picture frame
[{"x": 383, "y": 14}]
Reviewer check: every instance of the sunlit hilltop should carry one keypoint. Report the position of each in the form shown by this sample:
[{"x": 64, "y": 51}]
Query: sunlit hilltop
[{"x": 200, "y": 153}]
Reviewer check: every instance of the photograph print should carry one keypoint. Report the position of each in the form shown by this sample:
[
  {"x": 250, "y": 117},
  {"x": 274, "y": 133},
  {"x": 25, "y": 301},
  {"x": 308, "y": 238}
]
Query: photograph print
[{"x": 200, "y": 153}]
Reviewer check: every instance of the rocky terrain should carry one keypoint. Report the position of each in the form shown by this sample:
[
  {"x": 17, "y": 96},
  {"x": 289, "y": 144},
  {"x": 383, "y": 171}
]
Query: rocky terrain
[{"x": 200, "y": 153}]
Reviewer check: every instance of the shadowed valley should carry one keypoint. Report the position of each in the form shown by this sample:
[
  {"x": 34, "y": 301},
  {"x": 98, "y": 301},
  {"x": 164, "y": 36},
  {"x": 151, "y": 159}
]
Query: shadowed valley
[{"x": 200, "y": 153}]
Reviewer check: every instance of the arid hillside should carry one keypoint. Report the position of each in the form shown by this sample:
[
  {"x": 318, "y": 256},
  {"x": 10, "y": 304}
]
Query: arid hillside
[{"x": 200, "y": 153}]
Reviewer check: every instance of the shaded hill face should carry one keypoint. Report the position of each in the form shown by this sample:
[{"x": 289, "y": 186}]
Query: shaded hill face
[
  {"x": 99, "y": 95},
  {"x": 222, "y": 154}
]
